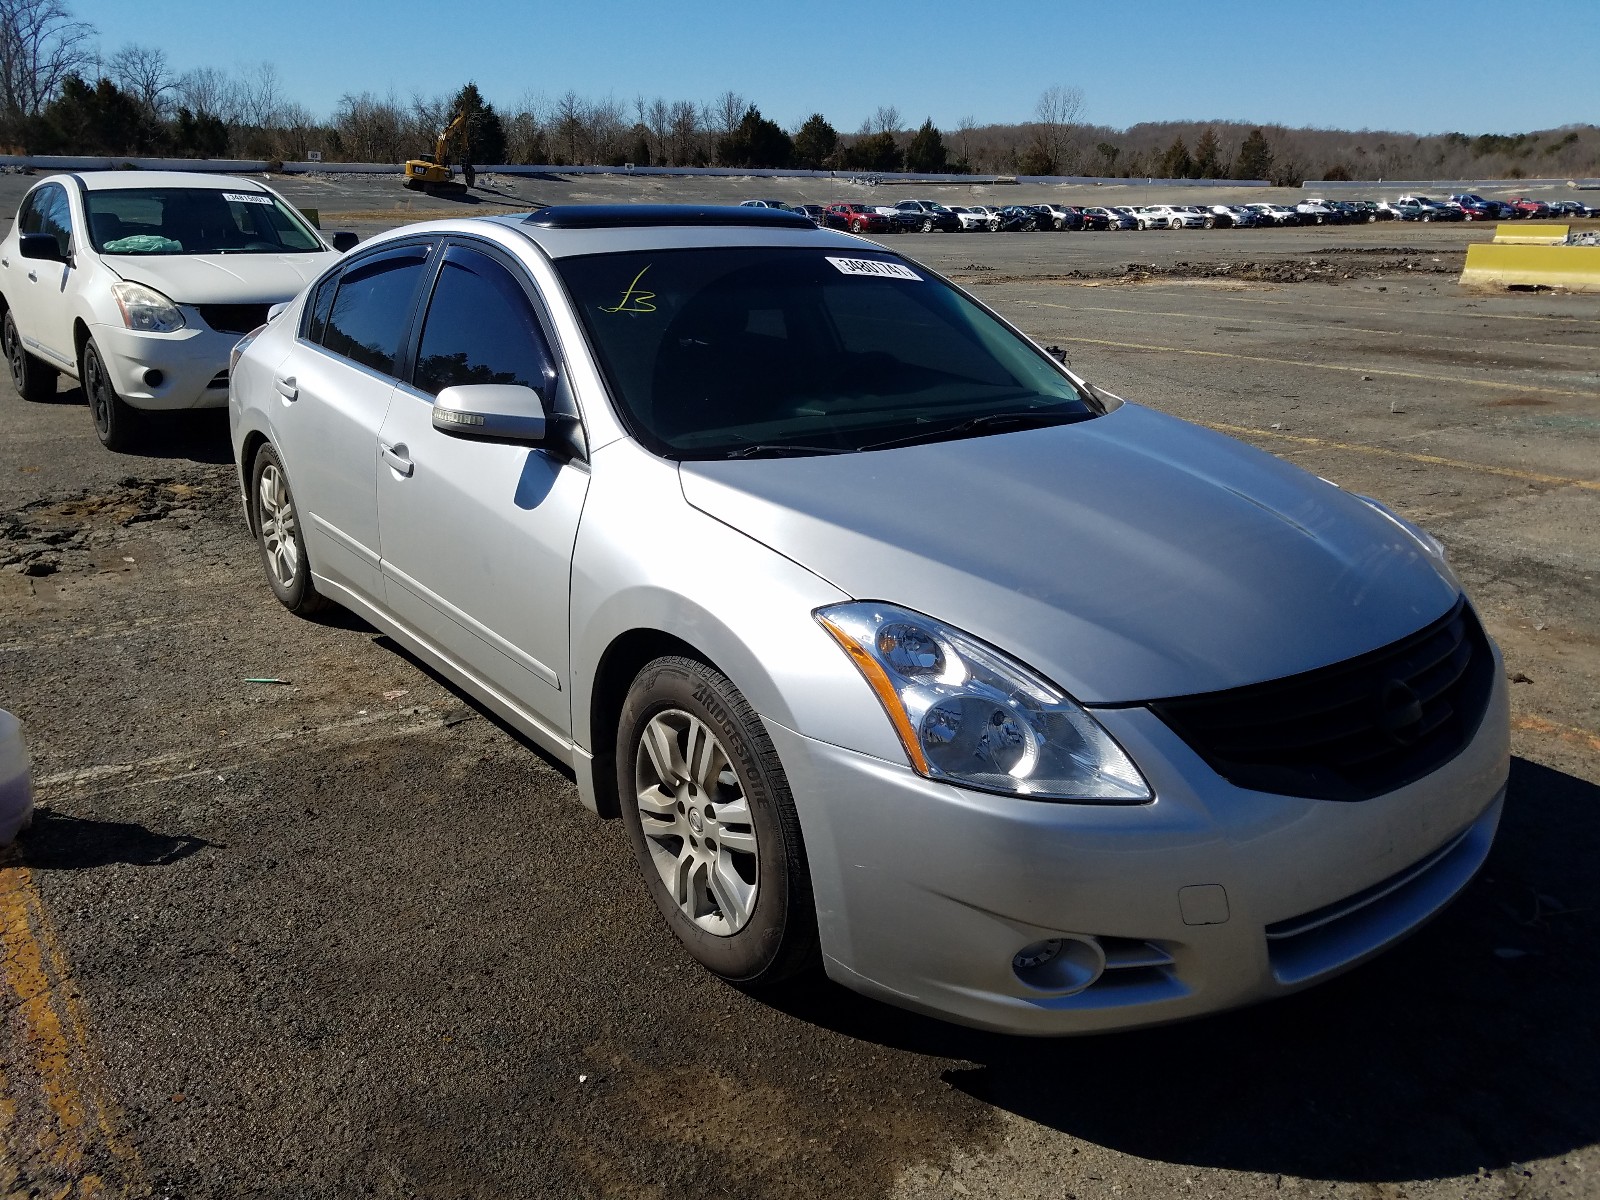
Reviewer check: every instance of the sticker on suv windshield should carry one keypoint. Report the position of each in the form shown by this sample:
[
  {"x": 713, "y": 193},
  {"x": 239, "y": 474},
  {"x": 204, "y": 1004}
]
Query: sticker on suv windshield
[
  {"x": 247, "y": 197},
  {"x": 874, "y": 267}
]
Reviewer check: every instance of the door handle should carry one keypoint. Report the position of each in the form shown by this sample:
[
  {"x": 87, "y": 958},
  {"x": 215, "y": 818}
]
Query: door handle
[
  {"x": 397, "y": 458},
  {"x": 33, "y": 276},
  {"x": 287, "y": 388}
]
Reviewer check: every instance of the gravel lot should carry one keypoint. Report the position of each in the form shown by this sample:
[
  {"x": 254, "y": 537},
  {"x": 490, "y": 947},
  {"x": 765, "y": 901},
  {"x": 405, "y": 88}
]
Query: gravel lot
[{"x": 343, "y": 935}]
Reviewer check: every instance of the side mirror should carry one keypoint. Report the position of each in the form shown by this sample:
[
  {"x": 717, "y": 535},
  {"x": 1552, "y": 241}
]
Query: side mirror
[
  {"x": 343, "y": 240},
  {"x": 504, "y": 412},
  {"x": 276, "y": 311},
  {"x": 42, "y": 246}
]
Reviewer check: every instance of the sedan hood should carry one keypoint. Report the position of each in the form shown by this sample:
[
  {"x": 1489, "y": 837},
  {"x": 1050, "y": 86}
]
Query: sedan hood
[
  {"x": 1127, "y": 558},
  {"x": 223, "y": 278}
]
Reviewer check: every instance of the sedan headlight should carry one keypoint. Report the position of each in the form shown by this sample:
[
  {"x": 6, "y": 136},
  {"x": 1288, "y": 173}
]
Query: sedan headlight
[
  {"x": 146, "y": 309},
  {"x": 969, "y": 715}
]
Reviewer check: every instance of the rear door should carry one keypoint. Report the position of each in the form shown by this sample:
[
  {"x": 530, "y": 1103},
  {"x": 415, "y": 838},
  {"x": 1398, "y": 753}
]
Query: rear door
[
  {"x": 334, "y": 391},
  {"x": 477, "y": 536}
]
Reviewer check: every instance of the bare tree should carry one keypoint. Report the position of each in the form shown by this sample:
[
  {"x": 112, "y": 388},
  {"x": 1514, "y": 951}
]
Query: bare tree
[
  {"x": 885, "y": 120},
  {"x": 727, "y": 110},
  {"x": 143, "y": 72},
  {"x": 207, "y": 92},
  {"x": 41, "y": 43},
  {"x": 1057, "y": 116},
  {"x": 685, "y": 118},
  {"x": 964, "y": 131},
  {"x": 260, "y": 95}
]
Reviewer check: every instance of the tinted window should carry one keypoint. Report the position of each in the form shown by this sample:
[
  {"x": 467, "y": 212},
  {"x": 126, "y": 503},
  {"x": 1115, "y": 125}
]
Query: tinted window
[
  {"x": 480, "y": 328},
  {"x": 55, "y": 218},
  {"x": 714, "y": 351},
  {"x": 317, "y": 310},
  {"x": 31, "y": 218},
  {"x": 368, "y": 316}
]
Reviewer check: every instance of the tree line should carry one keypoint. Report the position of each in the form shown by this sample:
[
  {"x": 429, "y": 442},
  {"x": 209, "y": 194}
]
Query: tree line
[{"x": 59, "y": 95}]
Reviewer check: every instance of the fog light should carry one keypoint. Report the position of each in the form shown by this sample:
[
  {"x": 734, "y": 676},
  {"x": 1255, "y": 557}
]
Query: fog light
[
  {"x": 153, "y": 377},
  {"x": 1061, "y": 965}
]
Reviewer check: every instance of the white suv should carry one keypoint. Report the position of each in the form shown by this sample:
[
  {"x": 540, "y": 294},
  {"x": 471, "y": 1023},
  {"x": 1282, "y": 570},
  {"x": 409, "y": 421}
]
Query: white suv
[{"x": 138, "y": 283}]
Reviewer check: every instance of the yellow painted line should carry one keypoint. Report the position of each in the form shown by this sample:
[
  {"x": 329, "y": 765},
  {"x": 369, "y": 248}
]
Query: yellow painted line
[
  {"x": 1292, "y": 362},
  {"x": 1567, "y": 733},
  {"x": 1476, "y": 314},
  {"x": 1212, "y": 317},
  {"x": 53, "y": 1066},
  {"x": 1435, "y": 460}
]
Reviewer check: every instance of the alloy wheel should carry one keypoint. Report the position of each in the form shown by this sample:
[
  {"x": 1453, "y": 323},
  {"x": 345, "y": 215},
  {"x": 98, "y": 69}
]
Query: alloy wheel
[
  {"x": 696, "y": 822},
  {"x": 278, "y": 527}
]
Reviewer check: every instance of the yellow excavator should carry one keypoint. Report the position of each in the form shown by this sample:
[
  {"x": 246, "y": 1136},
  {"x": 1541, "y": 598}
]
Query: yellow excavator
[{"x": 433, "y": 172}]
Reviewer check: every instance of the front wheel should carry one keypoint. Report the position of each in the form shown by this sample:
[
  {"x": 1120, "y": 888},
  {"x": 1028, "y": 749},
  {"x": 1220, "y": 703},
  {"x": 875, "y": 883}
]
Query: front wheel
[
  {"x": 927, "y": 224},
  {"x": 32, "y": 379},
  {"x": 712, "y": 823},
  {"x": 283, "y": 549},
  {"x": 115, "y": 422}
]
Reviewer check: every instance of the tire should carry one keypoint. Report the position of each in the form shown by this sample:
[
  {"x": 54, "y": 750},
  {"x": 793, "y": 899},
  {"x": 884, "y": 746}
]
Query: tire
[
  {"x": 735, "y": 892},
  {"x": 855, "y": 228},
  {"x": 277, "y": 525},
  {"x": 116, "y": 423},
  {"x": 1211, "y": 223},
  {"x": 927, "y": 224},
  {"x": 33, "y": 380}
]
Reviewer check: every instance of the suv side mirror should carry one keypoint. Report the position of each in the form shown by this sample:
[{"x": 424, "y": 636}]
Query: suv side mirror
[
  {"x": 502, "y": 412},
  {"x": 42, "y": 246},
  {"x": 343, "y": 240}
]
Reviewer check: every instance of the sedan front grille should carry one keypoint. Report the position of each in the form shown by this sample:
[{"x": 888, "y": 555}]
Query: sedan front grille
[
  {"x": 1353, "y": 730},
  {"x": 233, "y": 318}
]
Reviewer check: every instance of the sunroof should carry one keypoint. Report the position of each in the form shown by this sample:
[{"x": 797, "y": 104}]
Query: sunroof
[{"x": 626, "y": 216}]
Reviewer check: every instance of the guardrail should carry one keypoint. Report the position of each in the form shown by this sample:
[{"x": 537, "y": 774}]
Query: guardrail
[
  {"x": 1441, "y": 185},
  {"x": 235, "y": 166}
]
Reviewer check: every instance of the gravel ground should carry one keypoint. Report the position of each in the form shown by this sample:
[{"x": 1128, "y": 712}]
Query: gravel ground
[{"x": 343, "y": 935}]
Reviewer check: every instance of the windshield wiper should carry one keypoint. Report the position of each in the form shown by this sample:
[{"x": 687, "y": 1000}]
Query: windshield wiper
[
  {"x": 781, "y": 450},
  {"x": 988, "y": 423}
]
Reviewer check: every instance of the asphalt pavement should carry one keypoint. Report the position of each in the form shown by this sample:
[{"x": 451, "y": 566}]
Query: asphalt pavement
[{"x": 341, "y": 934}]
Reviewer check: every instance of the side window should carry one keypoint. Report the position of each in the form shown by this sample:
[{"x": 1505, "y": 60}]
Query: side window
[
  {"x": 368, "y": 316},
  {"x": 31, "y": 218},
  {"x": 57, "y": 219},
  {"x": 316, "y": 317},
  {"x": 480, "y": 328}
]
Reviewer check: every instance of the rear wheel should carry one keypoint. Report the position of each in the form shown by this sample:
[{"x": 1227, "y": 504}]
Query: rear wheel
[
  {"x": 115, "y": 422},
  {"x": 283, "y": 549},
  {"x": 32, "y": 379},
  {"x": 713, "y": 825}
]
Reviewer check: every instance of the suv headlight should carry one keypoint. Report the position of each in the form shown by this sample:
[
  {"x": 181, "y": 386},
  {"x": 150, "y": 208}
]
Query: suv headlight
[
  {"x": 146, "y": 309},
  {"x": 969, "y": 715}
]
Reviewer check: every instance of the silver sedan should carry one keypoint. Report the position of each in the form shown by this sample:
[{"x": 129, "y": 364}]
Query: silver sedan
[{"x": 901, "y": 650}]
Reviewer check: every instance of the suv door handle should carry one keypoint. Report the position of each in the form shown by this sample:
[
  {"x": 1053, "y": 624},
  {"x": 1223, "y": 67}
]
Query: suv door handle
[
  {"x": 396, "y": 457},
  {"x": 34, "y": 276},
  {"x": 287, "y": 388}
]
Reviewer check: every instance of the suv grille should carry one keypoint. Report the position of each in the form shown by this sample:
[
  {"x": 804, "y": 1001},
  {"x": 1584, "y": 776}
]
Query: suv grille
[
  {"x": 233, "y": 318},
  {"x": 1351, "y": 731}
]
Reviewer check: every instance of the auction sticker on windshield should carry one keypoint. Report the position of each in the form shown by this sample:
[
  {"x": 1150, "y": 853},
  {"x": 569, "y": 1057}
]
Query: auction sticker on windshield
[
  {"x": 874, "y": 267},
  {"x": 247, "y": 197}
]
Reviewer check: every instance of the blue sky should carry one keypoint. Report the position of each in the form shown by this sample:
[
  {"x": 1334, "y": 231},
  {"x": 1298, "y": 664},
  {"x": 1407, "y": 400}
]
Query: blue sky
[{"x": 1468, "y": 65}]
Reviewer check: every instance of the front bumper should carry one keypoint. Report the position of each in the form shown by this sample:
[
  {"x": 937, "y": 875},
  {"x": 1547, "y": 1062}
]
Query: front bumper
[
  {"x": 193, "y": 363},
  {"x": 1208, "y": 898}
]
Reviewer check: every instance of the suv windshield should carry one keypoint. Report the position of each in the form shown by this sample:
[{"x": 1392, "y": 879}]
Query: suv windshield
[
  {"x": 714, "y": 353},
  {"x": 195, "y": 221}
]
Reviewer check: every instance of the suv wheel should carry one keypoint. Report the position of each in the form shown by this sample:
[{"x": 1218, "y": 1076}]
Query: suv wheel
[
  {"x": 713, "y": 825},
  {"x": 115, "y": 422},
  {"x": 32, "y": 379}
]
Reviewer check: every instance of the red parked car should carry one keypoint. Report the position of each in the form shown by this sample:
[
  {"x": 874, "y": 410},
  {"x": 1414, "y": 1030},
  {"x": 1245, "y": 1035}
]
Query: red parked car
[
  {"x": 857, "y": 218},
  {"x": 1526, "y": 206}
]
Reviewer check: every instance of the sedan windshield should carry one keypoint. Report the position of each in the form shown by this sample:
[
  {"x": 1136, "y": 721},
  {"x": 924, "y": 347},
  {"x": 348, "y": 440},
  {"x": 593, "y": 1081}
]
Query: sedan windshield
[
  {"x": 716, "y": 353},
  {"x": 184, "y": 220}
]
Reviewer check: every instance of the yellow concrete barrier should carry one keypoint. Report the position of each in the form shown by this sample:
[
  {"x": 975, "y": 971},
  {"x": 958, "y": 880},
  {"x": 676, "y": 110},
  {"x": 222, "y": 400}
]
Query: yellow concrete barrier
[
  {"x": 1530, "y": 235},
  {"x": 1574, "y": 268}
]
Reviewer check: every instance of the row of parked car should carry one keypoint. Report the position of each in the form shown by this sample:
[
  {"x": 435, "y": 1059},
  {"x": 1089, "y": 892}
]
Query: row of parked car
[{"x": 926, "y": 216}]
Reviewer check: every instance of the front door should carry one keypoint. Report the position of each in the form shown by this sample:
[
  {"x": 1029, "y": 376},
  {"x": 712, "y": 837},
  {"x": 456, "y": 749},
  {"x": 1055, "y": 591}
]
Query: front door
[{"x": 477, "y": 537}]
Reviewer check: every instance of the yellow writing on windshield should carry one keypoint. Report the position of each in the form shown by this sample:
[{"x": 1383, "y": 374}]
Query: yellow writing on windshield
[{"x": 634, "y": 301}]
